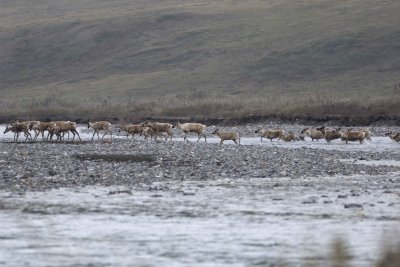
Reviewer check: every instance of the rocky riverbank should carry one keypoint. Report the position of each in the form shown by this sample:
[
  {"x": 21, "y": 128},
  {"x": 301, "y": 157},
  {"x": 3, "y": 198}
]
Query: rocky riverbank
[{"x": 42, "y": 165}]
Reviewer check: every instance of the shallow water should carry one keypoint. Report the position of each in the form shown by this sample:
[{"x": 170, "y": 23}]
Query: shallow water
[
  {"x": 243, "y": 222},
  {"x": 377, "y": 144}
]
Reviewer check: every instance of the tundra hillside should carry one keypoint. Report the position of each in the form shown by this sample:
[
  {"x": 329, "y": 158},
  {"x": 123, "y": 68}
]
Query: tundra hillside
[{"x": 204, "y": 58}]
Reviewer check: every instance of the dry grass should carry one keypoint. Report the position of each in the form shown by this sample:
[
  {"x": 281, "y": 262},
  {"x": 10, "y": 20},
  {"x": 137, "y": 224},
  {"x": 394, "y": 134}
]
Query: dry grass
[
  {"x": 311, "y": 106},
  {"x": 389, "y": 257},
  {"x": 340, "y": 256}
]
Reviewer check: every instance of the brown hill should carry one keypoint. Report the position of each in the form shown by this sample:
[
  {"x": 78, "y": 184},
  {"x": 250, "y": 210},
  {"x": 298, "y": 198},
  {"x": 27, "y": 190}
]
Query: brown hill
[{"x": 166, "y": 57}]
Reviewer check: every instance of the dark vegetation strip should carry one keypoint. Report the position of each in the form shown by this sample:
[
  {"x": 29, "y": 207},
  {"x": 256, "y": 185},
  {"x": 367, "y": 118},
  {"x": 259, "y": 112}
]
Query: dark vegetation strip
[
  {"x": 117, "y": 157},
  {"x": 229, "y": 110}
]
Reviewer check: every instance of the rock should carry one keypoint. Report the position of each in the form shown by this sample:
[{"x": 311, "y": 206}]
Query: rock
[
  {"x": 52, "y": 172},
  {"x": 283, "y": 173},
  {"x": 310, "y": 201},
  {"x": 353, "y": 205},
  {"x": 120, "y": 192}
]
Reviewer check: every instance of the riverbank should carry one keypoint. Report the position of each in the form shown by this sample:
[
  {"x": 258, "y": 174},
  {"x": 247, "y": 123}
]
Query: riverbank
[{"x": 40, "y": 166}]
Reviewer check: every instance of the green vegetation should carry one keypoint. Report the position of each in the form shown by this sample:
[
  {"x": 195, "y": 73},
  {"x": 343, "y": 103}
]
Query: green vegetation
[{"x": 199, "y": 58}]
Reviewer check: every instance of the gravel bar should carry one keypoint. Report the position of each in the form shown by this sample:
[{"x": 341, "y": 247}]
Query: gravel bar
[{"x": 42, "y": 166}]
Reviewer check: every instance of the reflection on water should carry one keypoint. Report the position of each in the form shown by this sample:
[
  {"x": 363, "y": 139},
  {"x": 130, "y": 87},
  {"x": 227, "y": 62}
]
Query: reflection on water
[{"x": 244, "y": 222}]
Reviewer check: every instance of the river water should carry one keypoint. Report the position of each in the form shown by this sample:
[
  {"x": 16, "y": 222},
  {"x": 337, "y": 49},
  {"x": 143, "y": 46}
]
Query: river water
[
  {"x": 223, "y": 222},
  {"x": 244, "y": 222}
]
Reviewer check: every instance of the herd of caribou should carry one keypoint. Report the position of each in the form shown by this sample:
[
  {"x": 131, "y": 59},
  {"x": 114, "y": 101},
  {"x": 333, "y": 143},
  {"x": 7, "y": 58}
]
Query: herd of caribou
[
  {"x": 326, "y": 133},
  {"x": 154, "y": 130}
]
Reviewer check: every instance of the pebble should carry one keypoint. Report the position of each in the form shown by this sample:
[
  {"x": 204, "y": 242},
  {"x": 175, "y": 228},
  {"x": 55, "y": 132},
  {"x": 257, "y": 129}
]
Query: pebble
[
  {"x": 310, "y": 201},
  {"x": 352, "y": 205}
]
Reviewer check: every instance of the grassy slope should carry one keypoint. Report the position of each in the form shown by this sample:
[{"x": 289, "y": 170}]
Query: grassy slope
[{"x": 144, "y": 50}]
